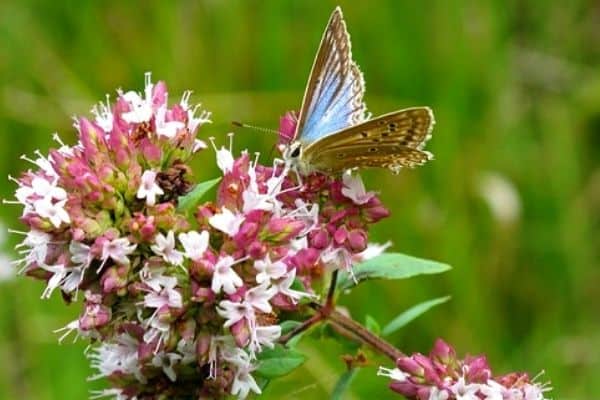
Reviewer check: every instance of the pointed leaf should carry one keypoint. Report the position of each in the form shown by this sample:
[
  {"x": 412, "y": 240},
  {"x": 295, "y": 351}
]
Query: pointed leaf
[
  {"x": 390, "y": 266},
  {"x": 412, "y": 313},
  {"x": 192, "y": 199},
  {"x": 278, "y": 361}
]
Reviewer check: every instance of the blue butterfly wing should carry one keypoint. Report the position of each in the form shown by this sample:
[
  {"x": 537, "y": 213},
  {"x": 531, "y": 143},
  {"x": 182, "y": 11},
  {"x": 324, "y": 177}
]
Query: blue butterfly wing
[{"x": 333, "y": 99}]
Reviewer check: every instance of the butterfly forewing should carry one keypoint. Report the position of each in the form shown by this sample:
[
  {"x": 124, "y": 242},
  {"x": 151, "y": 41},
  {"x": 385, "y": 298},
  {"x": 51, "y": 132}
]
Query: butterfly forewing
[
  {"x": 333, "y": 99},
  {"x": 391, "y": 141}
]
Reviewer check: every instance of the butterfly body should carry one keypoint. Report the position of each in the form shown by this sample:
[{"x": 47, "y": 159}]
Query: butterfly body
[{"x": 334, "y": 133}]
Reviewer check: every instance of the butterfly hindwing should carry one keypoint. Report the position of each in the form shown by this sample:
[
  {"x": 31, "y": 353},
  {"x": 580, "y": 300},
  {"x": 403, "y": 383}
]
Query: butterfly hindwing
[
  {"x": 391, "y": 141},
  {"x": 333, "y": 99}
]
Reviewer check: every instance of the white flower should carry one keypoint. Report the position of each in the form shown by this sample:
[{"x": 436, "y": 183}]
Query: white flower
[
  {"x": 354, "y": 189},
  {"x": 393, "y": 373},
  {"x": 165, "y": 247},
  {"x": 232, "y": 312},
  {"x": 264, "y": 336},
  {"x": 285, "y": 284},
  {"x": 464, "y": 391},
  {"x": 118, "y": 249},
  {"x": 166, "y": 128},
  {"x": 80, "y": 253},
  {"x": 166, "y": 295},
  {"x": 492, "y": 390},
  {"x": 243, "y": 383},
  {"x": 226, "y": 221},
  {"x": 141, "y": 108},
  {"x": 225, "y": 160},
  {"x": 119, "y": 356},
  {"x": 44, "y": 188},
  {"x": 259, "y": 296},
  {"x": 149, "y": 189},
  {"x": 438, "y": 394},
  {"x": 193, "y": 120},
  {"x": 373, "y": 250},
  {"x": 55, "y": 212},
  {"x": 37, "y": 243},
  {"x": 55, "y": 281},
  {"x": 268, "y": 270},
  {"x": 225, "y": 277},
  {"x": 104, "y": 116},
  {"x": 255, "y": 298},
  {"x": 194, "y": 243}
]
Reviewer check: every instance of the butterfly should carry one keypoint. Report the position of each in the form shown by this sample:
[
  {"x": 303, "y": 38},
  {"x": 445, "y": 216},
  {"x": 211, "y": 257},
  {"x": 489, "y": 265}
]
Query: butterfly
[{"x": 334, "y": 132}]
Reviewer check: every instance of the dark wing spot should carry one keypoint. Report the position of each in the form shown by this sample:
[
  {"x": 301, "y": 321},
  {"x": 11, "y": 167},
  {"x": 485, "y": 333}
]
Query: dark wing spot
[
  {"x": 385, "y": 134},
  {"x": 364, "y": 134},
  {"x": 372, "y": 149},
  {"x": 340, "y": 155}
]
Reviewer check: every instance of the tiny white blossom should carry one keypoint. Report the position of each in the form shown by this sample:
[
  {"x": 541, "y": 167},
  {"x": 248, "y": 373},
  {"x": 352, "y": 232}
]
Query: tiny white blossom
[
  {"x": 225, "y": 160},
  {"x": 55, "y": 212},
  {"x": 141, "y": 108},
  {"x": 373, "y": 250},
  {"x": 243, "y": 383},
  {"x": 232, "y": 312},
  {"x": 259, "y": 296},
  {"x": 165, "y": 296},
  {"x": 104, "y": 116},
  {"x": 165, "y": 247},
  {"x": 226, "y": 221},
  {"x": 268, "y": 270},
  {"x": 118, "y": 249},
  {"x": 284, "y": 286},
  {"x": 264, "y": 336},
  {"x": 118, "y": 356},
  {"x": 225, "y": 277},
  {"x": 354, "y": 189},
  {"x": 166, "y": 128},
  {"x": 392, "y": 373},
  {"x": 464, "y": 391},
  {"x": 194, "y": 243},
  {"x": 55, "y": 281},
  {"x": 149, "y": 189},
  {"x": 44, "y": 188},
  {"x": 37, "y": 243},
  {"x": 438, "y": 394}
]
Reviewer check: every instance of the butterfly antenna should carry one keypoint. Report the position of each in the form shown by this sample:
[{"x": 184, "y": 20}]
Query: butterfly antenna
[
  {"x": 260, "y": 129},
  {"x": 256, "y": 128}
]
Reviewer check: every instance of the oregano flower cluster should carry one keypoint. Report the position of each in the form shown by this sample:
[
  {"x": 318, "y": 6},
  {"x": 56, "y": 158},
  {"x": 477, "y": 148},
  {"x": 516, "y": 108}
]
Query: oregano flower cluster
[{"x": 179, "y": 301}]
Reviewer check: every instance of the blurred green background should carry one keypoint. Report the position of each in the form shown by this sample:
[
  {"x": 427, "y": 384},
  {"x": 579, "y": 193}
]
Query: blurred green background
[{"x": 512, "y": 200}]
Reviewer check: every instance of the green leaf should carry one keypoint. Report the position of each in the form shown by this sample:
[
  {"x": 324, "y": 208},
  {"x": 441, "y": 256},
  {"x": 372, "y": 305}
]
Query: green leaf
[
  {"x": 278, "y": 361},
  {"x": 186, "y": 203},
  {"x": 288, "y": 326},
  {"x": 390, "y": 266},
  {"x": 343, "y": 384},
  {"x": 372, "y": 325},
  {"x": 412, "y": 313}
]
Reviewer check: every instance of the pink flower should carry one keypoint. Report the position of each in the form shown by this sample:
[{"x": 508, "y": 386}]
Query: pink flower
[{"x": 354, "y": 189}]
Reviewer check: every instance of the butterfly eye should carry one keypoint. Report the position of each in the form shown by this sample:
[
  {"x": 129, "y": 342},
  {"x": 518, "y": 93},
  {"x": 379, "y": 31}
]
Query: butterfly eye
[{"x": 296, "y": 152}]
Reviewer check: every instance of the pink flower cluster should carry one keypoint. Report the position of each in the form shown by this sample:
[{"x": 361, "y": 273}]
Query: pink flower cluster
[
  {"x": 442, "y": 376},
  {"x": 180, "y": 306}
]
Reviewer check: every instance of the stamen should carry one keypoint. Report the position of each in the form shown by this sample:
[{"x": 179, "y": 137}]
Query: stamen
[{"x": 230, "y": 135}]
